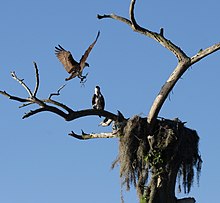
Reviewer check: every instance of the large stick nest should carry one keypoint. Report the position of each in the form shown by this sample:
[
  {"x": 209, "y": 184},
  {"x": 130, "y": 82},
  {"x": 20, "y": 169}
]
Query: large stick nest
[{"x": 171, "y": 145}]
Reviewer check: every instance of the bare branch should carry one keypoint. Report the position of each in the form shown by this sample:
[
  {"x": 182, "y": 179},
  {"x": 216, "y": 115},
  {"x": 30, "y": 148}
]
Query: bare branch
[
  {"x": 14, "y": 97},
  {"x": 184, "y": 62},
  {"x": 135, "y": 26},
  {"x": 37, "y": 80},
  {"x": 116, "y": 17},
  {"x": 91, "y": 112},
  {"x": 165, "y": 90},
  {"x": 14, "y": 76},
  {"x": 156, "y": 36},
  {"x": 174, "y": 77},
  {"x": 203, "y": 53},
  {"x": 46, "y": 108},
  {"x": 51, "y": 101},
  {"x": 32, "y": 99},
  {"x": 71, "y": 115},
  {"x": 32, "y": 112},
  {"x": 26, "y": 104},
  {"x": 85, "y": 136},
  {"x": 58, "y": 91}
]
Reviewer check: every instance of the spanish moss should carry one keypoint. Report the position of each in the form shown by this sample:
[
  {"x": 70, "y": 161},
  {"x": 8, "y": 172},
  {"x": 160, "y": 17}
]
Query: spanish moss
[{"x": 170, "y": 153}]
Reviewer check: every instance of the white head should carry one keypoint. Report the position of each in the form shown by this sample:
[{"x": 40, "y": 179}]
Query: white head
[{"x": 97, "y": 90}]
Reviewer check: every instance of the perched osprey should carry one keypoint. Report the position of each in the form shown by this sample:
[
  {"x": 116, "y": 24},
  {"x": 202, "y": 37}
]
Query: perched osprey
[
  {"x": 98, "y": 101},
  {"x": 73, "y": 67}
]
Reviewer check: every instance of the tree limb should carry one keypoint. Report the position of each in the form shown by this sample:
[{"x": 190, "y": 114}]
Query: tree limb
[
  {"x": 156, "y": 36},
  {"x": 37, "y": 80},
  {"x": 165, "y": 90},
  {"x": 56, "y": 103},
  {"x": 58, "y": 91},
  {"x": 14, "y": 97},
  {"x": 184, "y": 62},
  {"x": 116, "y": 17},
  {"x": 46, "y": 108},
  {"x": 14, "y": 76},
  {"x": 85, "y": 136},
  {"x": 91, "y": 112},
  {"x": 71, "y": 115},
  {"x": 174, "y": 77},
  {"x": 43, "y": 103},
  {"x": 203, "y": 53}
]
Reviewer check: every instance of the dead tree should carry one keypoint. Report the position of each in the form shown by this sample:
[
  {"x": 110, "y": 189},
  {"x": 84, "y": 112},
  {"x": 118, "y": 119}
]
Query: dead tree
[{"x": 162, "y": 149}]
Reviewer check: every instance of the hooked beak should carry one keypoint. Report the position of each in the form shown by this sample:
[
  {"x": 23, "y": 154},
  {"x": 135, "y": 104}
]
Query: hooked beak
[{"x": 86, "y": 64}]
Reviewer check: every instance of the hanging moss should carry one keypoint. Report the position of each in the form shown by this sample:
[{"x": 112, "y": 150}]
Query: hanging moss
[
  {"x": 133, "y": 148},
  {"x": 140, "y": 155},
  {"x": 190, "y": 159}
]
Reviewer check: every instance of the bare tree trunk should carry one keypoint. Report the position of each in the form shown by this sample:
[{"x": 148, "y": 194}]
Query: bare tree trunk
[{"x": 163, "y": 187}]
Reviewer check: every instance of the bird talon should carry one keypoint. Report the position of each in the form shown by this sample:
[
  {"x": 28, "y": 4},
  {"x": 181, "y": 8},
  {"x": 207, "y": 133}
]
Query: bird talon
[{"x": 82, "y": 79}]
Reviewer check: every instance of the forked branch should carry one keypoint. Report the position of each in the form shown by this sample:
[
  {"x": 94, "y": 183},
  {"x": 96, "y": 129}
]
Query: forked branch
[
  {"x": 56, "y": 107},
  {"x": 184, "y": 62},
  {"x": 154, "y": 35}
]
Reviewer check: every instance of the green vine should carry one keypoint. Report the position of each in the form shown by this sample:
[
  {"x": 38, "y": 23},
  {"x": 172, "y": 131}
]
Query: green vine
[{"x": 155, "y": 160}]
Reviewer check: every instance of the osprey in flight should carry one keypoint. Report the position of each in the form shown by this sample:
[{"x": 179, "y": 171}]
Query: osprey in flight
[
  {"x": 98, "y": 101},
  {"x": 73, "y": 67}
]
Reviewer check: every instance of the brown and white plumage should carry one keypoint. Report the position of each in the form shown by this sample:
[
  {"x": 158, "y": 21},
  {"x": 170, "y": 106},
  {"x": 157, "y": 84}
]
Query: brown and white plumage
[
  {"x": 98, "y": 101},
  {"x": 73, "y": 67}
]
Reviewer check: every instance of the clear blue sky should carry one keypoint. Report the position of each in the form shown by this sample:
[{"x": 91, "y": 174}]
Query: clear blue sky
[{"x": 39, "y": 161}]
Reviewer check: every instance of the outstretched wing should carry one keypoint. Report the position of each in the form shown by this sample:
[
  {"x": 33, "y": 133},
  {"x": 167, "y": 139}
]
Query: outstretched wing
[
  {"x": 66, "y": 59},
  {"x": 86, "y": 54}
]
